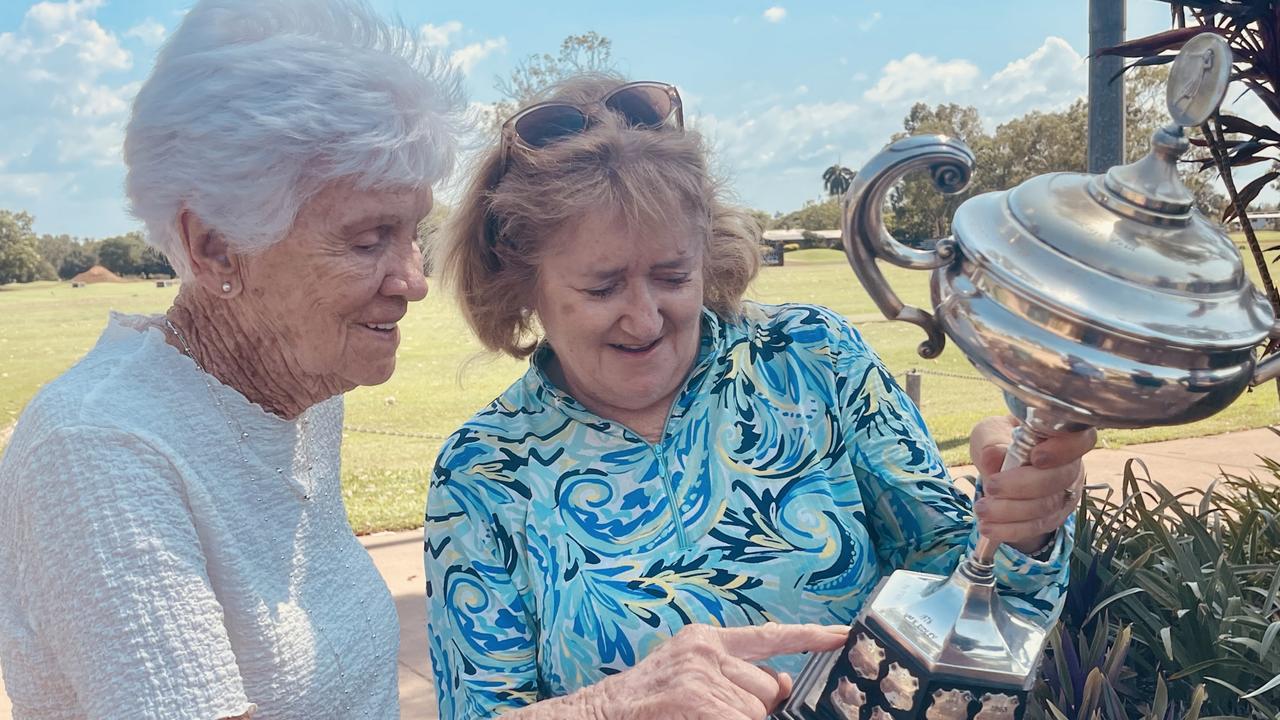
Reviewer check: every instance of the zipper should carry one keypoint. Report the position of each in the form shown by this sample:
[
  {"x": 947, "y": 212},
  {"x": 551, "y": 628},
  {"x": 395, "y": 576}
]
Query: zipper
[
  {"x": 671, "y": 496},
  {"x": 681, "y": 537},
  {"x": 660, "y": 456}
]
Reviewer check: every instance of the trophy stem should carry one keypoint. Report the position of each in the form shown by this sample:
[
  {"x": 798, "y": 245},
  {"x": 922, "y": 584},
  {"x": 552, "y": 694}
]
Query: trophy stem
[{"x": 980, "y": 564}]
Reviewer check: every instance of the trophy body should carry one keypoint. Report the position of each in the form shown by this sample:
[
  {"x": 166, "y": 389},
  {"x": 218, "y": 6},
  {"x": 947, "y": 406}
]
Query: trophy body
[{"x": 1091, "y": 301}]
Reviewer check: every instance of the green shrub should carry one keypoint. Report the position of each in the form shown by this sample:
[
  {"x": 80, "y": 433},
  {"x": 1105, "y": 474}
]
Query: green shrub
[{"x": 1172, "y": 610}]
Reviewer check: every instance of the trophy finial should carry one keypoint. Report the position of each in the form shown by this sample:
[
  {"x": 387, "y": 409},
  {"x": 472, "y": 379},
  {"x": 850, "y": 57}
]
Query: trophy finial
[
  {"x": 1151, "y": 190},
  {"x": 1198, "y": 79}
]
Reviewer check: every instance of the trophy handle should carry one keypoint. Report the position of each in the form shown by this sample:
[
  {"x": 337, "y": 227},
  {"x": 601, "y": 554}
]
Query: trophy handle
[{"x": 950, "y": 163}]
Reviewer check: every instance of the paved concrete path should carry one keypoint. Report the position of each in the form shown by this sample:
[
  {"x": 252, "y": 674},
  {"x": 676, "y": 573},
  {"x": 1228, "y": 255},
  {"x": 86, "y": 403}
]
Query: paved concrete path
[{"x": 1193, "y": 462}]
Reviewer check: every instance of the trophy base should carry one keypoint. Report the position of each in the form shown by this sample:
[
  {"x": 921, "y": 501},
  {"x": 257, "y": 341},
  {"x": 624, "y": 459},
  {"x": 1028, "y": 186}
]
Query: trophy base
[
  {"x": 831, "y": 688},
  {"x": 925, "y": 647}
]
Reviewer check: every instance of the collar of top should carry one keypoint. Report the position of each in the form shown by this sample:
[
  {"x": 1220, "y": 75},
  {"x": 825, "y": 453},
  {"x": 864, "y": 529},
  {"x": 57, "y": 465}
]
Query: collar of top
[{"x": 711, "y": 349}]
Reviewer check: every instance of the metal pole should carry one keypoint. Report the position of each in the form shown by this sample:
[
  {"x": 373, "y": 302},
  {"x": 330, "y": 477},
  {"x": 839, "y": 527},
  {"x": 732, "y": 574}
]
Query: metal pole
[{"x": 1106, "y": 96}]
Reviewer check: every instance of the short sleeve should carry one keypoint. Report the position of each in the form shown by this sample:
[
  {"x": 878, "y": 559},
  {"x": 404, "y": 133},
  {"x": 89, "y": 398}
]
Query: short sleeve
[
  {"x": 482, "y": 637},
  {"x": 115, "y": 581}
]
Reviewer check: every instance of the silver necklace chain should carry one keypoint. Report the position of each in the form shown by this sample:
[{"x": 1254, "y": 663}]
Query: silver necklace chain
[{"x": 240, "y": 435}]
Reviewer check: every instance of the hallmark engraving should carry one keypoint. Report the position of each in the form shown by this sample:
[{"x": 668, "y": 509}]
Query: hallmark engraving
[
  {"x": 865, "y": 656},
  {"x": 899, "y": 687},
  {"x": 922, "y": 625},
  {"x": 949, "y": 705}
]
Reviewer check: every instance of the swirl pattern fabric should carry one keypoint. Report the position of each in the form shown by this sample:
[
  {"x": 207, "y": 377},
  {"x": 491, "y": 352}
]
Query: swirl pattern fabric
[{"x": 792, "y": 475}]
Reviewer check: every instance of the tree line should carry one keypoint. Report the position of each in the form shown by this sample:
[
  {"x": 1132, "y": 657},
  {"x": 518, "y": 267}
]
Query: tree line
[
  {"x": 26, "y": 256},
  {"x": 1034, "y": 144}
]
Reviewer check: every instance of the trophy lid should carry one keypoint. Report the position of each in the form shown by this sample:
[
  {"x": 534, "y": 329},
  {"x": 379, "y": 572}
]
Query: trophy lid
[{"x": 1142, "y": 260}]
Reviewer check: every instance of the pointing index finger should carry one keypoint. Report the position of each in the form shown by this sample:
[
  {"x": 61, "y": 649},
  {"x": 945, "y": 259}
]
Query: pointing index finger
[{"x": 760, "y": 642}]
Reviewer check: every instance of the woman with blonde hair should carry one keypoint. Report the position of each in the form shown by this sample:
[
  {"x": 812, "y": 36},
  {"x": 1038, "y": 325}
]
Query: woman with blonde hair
[{"x": 685, "y": 489}]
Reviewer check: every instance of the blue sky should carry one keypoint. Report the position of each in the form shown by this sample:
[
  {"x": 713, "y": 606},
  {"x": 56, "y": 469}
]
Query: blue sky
[{"x": 782, "y": 90}]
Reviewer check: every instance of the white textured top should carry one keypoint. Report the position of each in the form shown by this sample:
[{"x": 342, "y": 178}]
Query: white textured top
[{"x": 152, "y": 566}]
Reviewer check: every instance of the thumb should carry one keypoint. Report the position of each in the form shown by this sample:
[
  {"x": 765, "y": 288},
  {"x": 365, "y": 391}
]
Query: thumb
[
  {"x": 990, "y": 459},
  {"x": 761, "y": 642}
]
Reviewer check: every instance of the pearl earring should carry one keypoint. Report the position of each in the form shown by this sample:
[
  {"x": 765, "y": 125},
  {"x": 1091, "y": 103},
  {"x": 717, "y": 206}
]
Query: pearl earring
[{"x": 226, "y": 287}]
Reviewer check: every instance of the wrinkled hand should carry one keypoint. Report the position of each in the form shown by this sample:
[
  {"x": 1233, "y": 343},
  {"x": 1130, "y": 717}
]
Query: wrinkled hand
[
  {"x": 705, "y": 672},
  {"x": 1024, "y": 506}
]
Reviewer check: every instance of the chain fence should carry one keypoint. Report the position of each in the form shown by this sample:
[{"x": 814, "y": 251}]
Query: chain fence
[
  {"x": 912, "y": 380},
  {"x": 940, "y": 373}
]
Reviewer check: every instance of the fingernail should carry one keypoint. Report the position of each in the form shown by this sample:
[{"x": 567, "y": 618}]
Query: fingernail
[{"x": 980, "y": 507}]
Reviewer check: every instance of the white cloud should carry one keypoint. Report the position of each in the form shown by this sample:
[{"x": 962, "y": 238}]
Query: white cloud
[
  {"x": 776, "y": 148},
  {"x": 915, "y": 76},
  {"x": 148, "y": 31},
  {"x": 869, "y": 22},
  {"x": 439, "y": 35},
  {"x": 1050, "y": 78},
  {"x": 25, "y": 185},
  {"x": 775, "y": 14},
  {"x": 13, "y": 48},
  {"x": 770, "y": 139},
  {"x": 66, "y": 107},
  {"x": 102, "y": 101},
  {"x": 47, "y": 17},
  {"x": 65, "y": 34},
  {"x": 466, "y": 58},
  {"x": 802, "y": 90},
  {"x": 99, "y": 145}
]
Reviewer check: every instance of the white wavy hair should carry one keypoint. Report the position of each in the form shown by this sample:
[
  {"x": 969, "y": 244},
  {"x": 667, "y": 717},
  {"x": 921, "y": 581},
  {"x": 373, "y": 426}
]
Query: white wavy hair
[{"x": 254, "y": 106}]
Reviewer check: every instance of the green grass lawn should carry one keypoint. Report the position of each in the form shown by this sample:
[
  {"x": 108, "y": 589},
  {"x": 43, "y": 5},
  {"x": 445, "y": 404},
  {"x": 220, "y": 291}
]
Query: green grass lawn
[{"x": 442, "y": 377}]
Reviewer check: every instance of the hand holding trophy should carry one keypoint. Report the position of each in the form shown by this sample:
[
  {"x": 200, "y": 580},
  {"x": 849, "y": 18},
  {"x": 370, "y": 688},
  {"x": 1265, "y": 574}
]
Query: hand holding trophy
[{"x": 1091, "y": 301}]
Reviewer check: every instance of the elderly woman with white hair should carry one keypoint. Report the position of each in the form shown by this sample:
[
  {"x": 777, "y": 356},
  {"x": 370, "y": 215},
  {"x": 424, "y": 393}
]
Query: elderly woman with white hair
[{"x": 176, "y": 544}]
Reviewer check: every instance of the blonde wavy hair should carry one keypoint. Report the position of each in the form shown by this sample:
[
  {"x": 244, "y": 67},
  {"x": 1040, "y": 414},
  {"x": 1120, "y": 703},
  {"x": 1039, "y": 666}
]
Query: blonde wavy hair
[{"x": 489, "y": 250}]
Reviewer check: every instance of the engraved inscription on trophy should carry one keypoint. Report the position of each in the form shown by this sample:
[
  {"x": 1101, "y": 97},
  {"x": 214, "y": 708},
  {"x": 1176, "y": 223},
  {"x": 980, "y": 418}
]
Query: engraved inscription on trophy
[
  {"x": 865, "y": 656},
  {"x": 997, "y": 706},
  {"x": 899, "y": 687},
  {"x": 949, "y": 705},
  {"x": 922, "y": 624},
  {"x": 848, "y": 699}
]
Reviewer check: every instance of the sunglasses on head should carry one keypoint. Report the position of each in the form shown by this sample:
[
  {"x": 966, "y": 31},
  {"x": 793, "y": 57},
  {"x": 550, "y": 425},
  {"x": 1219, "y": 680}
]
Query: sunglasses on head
[{"x": 644, "y": 104}]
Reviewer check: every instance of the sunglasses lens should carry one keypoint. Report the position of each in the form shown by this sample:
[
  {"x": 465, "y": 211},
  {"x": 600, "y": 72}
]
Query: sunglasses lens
[
  {"x": 550, "y": 123},
  {"x": 644, "y": 106}
]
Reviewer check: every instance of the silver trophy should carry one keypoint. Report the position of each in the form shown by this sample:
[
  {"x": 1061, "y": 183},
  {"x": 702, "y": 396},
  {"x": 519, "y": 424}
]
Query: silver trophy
[{"x": 1090, "y": 300}]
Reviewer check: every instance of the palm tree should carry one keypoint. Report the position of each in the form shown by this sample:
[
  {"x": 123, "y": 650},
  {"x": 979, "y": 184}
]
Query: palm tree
[{"x": 837, "y": 179}]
